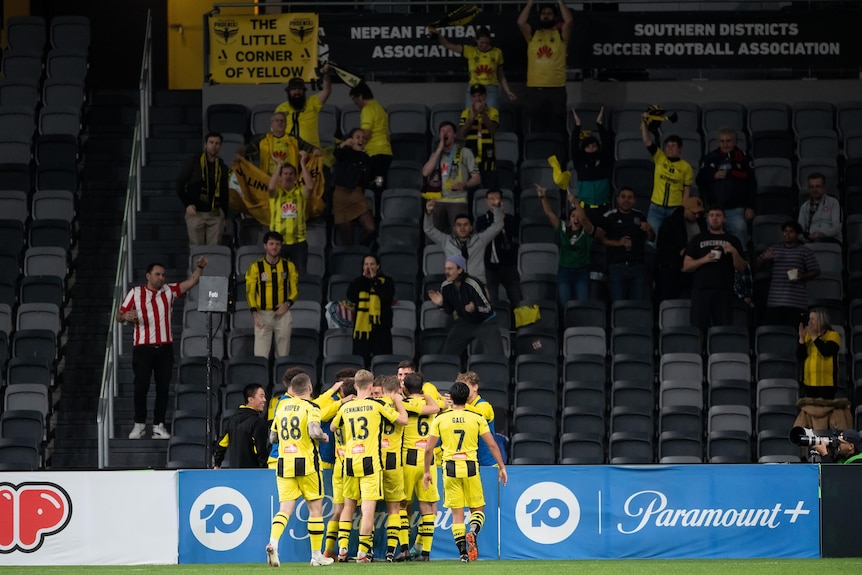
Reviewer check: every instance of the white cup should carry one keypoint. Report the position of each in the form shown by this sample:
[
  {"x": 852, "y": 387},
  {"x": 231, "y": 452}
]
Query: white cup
[
  {"x": 716, "y": 254},
  {"x": 793, "y": 274}
]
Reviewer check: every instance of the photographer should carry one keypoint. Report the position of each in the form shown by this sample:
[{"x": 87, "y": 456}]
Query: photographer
[{"x": 849, "y": 449}]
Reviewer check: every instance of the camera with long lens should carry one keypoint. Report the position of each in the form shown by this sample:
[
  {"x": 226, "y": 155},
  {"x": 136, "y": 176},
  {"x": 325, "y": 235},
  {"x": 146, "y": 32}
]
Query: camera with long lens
[{"x": 807, "y": 437}]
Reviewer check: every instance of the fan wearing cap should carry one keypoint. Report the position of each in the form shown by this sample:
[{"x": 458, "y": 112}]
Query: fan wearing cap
[
  {"x": 849, "y": 448},
  {"x": 466, "y": 298},
  {"x": 303, "y": 111},
  {"x": 676, "y": 231},
  {"x": 477, "y": 127},
  {"x": 485, "y": 64}
]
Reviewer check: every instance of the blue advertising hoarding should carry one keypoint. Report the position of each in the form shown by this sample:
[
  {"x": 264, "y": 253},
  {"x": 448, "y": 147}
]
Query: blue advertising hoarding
[
  {"x": 225, "y": 517},
  {"x": 696, "y": 511}
]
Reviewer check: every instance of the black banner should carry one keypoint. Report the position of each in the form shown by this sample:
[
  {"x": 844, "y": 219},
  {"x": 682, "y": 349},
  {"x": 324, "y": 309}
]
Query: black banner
[
  {"x": 840, "y": 510},
  {"x": 398, "y": 44}
]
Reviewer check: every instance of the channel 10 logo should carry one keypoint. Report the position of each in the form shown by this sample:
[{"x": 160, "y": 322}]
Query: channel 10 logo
[
  {"x": 221, "y": 518},
  {"x": 547, "y": 513}
]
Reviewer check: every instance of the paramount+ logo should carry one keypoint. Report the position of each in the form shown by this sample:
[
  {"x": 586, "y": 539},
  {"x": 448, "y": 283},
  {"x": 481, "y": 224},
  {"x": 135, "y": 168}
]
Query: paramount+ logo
[{"x": 30, "y": 512}]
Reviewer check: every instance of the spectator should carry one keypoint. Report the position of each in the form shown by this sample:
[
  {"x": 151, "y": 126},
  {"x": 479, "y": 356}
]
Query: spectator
[
  {"x": 149, "y": 308},
  {"x": 271, "y": 288},
  {"x": 462, "y": 241},
  {"x": 372, "y": 293},
  {"x": 849, "y": 448},
  {"x": 501, "y": 254},
  {"x": 672, "y": 177},
  {"x": 451, "y": 170},
  {"x": 287, "y": 207},
  {"x": 302, "y": 113},
  {"x": 676, "y": 231},
  {"x": 593, "y": 161},
  {"x": 351, "y": 178},
  {"x": 726, "y": 179},
  {"x": 576, "y": 242},
  {"x": 276, "y": 145},
  {"x": 477, "y": 127},
  {"x": 202, "y": 187},
  {"x": 245, "y": 441},
  {"x": 818, "y": 349},
  {"x": 485, "y": 64},
  {"x": 546, "y": 66},
  {"x": 625, "y": 231},
  {"x": 820, "y": 215},
  {"x": 712, "y": 257},
  {"x": 465, "y": 296},
  {"x": 375, "y": 123},
  {"x": 792, "y": 265}
]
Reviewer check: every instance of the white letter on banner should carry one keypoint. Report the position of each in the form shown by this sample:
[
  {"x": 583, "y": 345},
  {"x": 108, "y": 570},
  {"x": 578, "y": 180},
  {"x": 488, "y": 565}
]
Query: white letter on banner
[{"x": 643, "y": 513}]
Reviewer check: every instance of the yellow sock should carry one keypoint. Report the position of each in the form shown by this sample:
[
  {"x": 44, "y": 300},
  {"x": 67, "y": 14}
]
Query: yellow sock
[
  {"x": 365, "y": 544},
  {"x": 477, "y": 520},
  {"x": 331, "y": 536},
  {"x": 426, "y": 531},
  {"x": 279, "y": 522},
  {"x": 404, "y": 532},
  {"x": 344, "y": 528},
  {"x": 393, "y": 532},
  {"x": 459, "y": 532},
  {"x": 315, "y": 532}
]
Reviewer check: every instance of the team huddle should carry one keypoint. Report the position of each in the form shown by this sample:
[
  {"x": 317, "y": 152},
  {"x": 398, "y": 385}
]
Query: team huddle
[{"x": 388, "y": 434}]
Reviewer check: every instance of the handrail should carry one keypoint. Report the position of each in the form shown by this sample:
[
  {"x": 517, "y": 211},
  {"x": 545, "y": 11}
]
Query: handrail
[{"x": 123, "y": 276}]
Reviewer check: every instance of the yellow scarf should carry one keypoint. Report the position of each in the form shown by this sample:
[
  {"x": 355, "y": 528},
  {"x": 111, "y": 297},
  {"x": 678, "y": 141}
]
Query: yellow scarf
[
  {"x": 367, "y": 314},
  {"x": 205, "y": 192}
]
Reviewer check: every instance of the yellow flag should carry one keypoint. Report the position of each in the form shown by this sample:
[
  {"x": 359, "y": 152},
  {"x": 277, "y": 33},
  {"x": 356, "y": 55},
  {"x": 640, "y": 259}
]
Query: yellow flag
[{"x": 249, "y": 190}]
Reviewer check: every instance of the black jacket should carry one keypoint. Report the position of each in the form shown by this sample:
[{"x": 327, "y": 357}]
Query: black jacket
[
  {"x": 456, "y": 296},
  {"x": 673, "y": 238},
  {"x": 192, "y": 189},
  {"x": 506, "y": 242},
  {"x": 737, "y": 190},
  {"x": 246, "y": 440}
]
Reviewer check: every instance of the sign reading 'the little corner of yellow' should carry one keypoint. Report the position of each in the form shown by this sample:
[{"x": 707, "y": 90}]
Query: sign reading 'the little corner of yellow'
[{"x": 261, "y": 49}]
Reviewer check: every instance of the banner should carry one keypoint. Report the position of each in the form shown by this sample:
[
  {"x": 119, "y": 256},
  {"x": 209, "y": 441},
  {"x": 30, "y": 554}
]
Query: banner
[
  {"x": 88, "y": 518},
  {"x": 393, "y": 45},
  {"x": 639, "y": 511},
  {"x": 225, "y": 517},
  {"x": 262, "y": 49},
  {"x": 249, "y": 190}
]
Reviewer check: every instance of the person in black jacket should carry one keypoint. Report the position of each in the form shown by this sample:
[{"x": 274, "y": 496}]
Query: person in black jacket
[
  {"x": 676, "y": 231},
  {"x": 501, "y": 255},
  {"x": 372, "y": 292},
  {"x": 202, "y": 187},
  {"x": 593, "y": 160},
  {"x": 245, "y": 440},
  {"x": 466, "y": 297}
]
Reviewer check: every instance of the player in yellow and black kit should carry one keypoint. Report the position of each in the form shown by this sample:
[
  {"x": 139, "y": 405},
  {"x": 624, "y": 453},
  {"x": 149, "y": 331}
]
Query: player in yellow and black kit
[
  {"x": 414, "y": 442},
  {"x": 460, "y": 430},
  {"x": 296, "y": 428},
  {"x": 361, "y": 422}
]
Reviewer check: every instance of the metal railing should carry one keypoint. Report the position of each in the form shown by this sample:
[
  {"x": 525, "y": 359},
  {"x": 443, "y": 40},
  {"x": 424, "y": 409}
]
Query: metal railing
[{"x": 114, "y": 345}]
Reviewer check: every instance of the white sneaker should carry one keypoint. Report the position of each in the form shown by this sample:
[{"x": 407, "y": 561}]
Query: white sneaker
[
  {"x": 159, "y": 432},
  {"x": 321, "y": 560},
  {"x": 272, "y": 555},
  {"x": 138, "y": 431}
]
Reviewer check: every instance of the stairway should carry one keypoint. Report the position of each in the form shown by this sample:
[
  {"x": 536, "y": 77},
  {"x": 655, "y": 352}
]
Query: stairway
[
  {"x": 175, "y": 134},
  {"x": 110, "y": 126}
]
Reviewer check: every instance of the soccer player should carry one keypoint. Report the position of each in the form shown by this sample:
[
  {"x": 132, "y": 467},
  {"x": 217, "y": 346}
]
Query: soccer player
[
  {"x": 476, "y": 404},
  {"x": 295, "y": 428},
  {"x": 460, "y": 431},
  {"x": 361, "y": 422},
  {"x": 413, "y": 451}
]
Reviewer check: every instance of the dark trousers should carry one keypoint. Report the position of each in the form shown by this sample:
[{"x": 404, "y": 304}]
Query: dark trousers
[
  {"x": 298, "y": 254},
  {"x": 711, "y": 307},
  {"x": 156, "y": 361},
  {"x": 546, "y": 110},
  {"x": 463, "y": 332},
  {"x": 507, "y": 276},
  {"x": 380, "y": 343},
  {"x": 790, "y": 316},
  {"x": 378, "y": 167}
]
